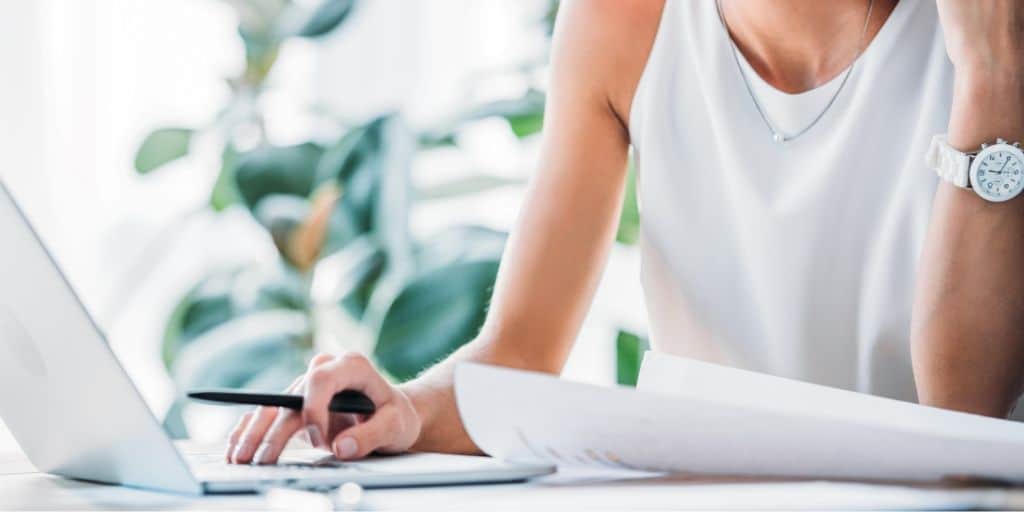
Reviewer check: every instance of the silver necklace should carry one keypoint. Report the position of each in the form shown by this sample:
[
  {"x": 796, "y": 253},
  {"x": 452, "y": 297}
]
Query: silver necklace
[{"x": 777, "y": 134}]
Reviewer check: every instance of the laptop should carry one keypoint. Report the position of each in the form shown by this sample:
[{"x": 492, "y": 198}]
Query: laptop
[{"x": 75, "y": 413}]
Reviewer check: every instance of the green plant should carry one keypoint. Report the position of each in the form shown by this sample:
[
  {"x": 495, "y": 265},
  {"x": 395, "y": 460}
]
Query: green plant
[
  {"x": 629, "y": 353},
  {"x": 349, "y": 274}
]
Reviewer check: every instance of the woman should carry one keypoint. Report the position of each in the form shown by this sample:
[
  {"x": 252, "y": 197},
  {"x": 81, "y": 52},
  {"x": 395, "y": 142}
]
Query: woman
[{"x": 790, "y": 224}]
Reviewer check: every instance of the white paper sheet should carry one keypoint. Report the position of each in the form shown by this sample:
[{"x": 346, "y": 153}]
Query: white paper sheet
[{"x": 718, "y": 420}]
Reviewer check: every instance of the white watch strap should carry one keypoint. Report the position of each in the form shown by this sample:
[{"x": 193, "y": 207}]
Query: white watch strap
[{"x": 949, "y": 163}]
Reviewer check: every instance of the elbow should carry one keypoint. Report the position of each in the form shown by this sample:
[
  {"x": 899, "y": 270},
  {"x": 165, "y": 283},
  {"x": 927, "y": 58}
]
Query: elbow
[
  {"x": 996, "y": 407},
  {"x": 952, "y": 376}
]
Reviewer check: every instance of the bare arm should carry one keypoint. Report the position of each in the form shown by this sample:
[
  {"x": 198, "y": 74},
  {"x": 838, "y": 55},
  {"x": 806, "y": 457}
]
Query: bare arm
[
  {"x": 968, "y": 331},
  {"x": 560, "y": 243}
]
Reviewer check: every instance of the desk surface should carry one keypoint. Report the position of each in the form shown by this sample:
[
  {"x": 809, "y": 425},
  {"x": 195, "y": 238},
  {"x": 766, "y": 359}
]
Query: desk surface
[{"x": 22, "y": 488}]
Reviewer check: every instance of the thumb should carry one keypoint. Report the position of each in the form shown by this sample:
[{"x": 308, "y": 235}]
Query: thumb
[{"x": 375, "y": 434}]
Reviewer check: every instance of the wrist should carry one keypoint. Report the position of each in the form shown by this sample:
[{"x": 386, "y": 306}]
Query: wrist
[
  {"x": 979, "y": 77},
  {"x": 419, "y": 397},
  {"x": 997, "y": 52},
  {"x": 988, "y": 103}
]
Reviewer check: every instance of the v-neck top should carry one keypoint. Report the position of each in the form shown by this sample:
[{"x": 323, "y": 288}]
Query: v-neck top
[{"x": 796, "y": 259}]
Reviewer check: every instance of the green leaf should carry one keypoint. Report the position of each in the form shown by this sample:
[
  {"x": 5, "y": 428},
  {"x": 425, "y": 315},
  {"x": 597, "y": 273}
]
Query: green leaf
[
  {"x": 371, "y": 164},
  {"x": 279, "y": 375},
  {"x": 430, "y": 139},
  {"x": 325, "y": 18},
  {"x": 348, "y": 276},
  {"x": 225, "y": 193},
  {"x": 629, "y": 353},
  {"x": 234, "y": 353},
  {"x": 162, "y": 146},
  {"x": 208, "y": 304},
  {"x": 424, "y": 319},
  {"x": 267, "y": 287},
  {"x": 391, "y": 212},
  {"x": 550, "y": 14},
  {"x": 276, "y": 170},
  {"x": 467, "y": 185},
  {"x": 261, "y": 52},
  {"x": 350, "y": 153},
  {"x": 461, "y": 244},
  {"x": 225, "y": 295},
  {"x": 282, "y": 215},
  {"x": 525, "y": 115},
  {"x": 257, "y": 26},
  {"x": 342, "y": 228},
  {"x": 174, "y": 420},
  {"x": 433, "y": 316},
  {"x": 526, "y": 124},
  {"x": 629, "y": 220},
  {"x": 355, "y": 164},
  {"x": 356, "y": 300},
  {"x": 257, "y": 15}
]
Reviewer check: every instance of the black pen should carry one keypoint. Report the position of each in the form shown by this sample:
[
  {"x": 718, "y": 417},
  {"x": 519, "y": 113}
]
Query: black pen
[{"x": 347, "y": 401}]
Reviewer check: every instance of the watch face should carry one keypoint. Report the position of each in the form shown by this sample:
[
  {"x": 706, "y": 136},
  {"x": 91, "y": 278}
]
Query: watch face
[{"x": 997, "y": 173}]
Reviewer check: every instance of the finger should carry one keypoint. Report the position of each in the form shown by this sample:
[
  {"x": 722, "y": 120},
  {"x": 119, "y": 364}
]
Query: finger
[
  {"x": 352, "y": 371},
  {"x": 236, "y": 434},
  {"x": 284, "y": 427},
  {"x": 253, "y": 435},
  {"x": 361, "y": 439},
  {"x": 339, "y": 422},
  {"x": 314, "y": 435},
  {"x": 320, "y": 359},
  {"x": 257, "y": 427}
]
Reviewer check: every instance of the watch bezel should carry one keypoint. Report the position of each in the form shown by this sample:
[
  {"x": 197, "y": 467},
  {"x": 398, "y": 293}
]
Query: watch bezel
[{"x": 976, "y": 164}]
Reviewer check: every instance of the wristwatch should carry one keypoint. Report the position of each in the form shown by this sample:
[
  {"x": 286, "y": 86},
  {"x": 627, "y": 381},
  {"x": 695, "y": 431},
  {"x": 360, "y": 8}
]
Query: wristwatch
[{"x": 996, "y": 172}]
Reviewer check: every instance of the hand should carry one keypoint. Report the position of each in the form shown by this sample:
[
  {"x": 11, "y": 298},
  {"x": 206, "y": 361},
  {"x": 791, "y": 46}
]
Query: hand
[
  {"x": 261, "y": 435},
  {"x": 983, "y": 35}
]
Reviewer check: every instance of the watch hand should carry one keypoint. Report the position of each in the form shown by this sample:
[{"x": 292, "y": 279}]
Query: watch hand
[{"x": 1004, "y": 165}]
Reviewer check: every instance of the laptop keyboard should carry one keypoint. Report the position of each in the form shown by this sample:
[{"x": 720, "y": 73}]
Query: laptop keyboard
[
  {"x": 318, "y": 470},
  {"x": 213, "y": 467}
]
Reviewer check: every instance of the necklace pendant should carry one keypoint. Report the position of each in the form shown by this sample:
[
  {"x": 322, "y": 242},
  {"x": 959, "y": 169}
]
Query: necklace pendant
[{"x": 778, "y": 137}]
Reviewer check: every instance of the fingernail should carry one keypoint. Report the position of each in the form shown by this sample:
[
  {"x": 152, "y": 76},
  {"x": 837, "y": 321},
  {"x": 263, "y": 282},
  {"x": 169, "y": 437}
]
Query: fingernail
[
  {"x": 315, "y": 437},
  {"x": 262, "y": 454},
  {"x": 230, "y": 451},
  {"x": 239, "y": 450},
  {"x": 345, "y": 447}
]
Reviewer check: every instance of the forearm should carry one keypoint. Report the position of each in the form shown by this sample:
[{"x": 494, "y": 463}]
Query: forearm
[{"x": 968, "y": 332}]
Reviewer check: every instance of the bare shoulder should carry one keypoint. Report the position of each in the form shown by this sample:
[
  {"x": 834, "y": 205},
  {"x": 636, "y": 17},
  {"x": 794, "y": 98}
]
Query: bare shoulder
[{"x": 606, "y": 43}]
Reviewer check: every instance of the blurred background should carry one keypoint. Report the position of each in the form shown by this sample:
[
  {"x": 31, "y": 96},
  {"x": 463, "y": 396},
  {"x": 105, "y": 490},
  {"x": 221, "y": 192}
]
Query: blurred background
[{"x": 234, "y": 185}]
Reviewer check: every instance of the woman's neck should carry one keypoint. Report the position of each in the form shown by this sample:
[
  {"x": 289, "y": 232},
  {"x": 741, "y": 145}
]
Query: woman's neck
[{"x": 797, "y": 45}]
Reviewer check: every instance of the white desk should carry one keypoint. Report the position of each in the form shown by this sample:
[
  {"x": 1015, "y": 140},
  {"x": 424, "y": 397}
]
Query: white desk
[{"x": 22, "y": 488}]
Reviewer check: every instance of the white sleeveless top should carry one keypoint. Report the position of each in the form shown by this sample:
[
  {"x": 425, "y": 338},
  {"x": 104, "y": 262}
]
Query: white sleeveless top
[{"x": 796, "y": 259}]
